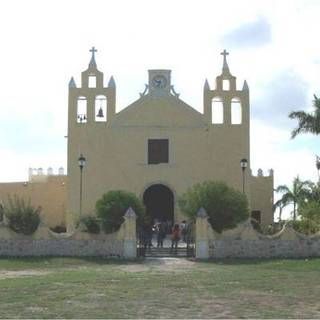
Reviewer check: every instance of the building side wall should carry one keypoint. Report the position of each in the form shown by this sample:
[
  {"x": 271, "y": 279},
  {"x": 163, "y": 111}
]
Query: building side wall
[
  {"x": 49, "y": 193},
  {"x": 262, "y": 197}
]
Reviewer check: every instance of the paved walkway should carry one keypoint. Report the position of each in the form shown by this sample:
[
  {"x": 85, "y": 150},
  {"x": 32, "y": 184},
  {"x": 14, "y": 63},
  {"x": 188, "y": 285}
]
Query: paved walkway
[{"x": 167, "y": 242}]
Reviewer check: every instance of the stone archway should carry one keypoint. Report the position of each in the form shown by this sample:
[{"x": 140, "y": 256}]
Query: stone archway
[{"x": 159, "y": 202}]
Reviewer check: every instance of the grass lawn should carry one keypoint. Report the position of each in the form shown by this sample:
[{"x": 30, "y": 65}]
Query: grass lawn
[{"x": 167, "y": 288}]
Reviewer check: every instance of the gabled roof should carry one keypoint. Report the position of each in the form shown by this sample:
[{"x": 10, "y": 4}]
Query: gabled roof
[{"x": 159, "y": 111}]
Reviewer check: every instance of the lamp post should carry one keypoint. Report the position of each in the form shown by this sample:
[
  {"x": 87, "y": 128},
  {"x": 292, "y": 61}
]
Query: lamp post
[
  {"x": 243, "y": 164},
  {"x": 82, "y": 163}
]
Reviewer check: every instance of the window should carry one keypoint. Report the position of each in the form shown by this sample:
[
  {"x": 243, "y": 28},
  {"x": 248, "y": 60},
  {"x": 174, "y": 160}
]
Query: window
[
  {"x": 217, "y": 110},
  {"x": 92, "y": 82},
  {"x": 82, "y": 110},
  {"x": 225, "y": 85},
  {"x": 236, "y": 116},
  {"x": 101, "y": 109},
  {"x": 256, "y": 214},
  {"x": 158, "y": 151}
]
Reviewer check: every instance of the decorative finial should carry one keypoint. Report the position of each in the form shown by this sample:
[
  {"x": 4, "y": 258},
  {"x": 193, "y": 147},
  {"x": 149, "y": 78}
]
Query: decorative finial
[
  {"x": 72, "y": 83},
  {"x": 202, "y": 213},
  {"x": 111, "y": 83},
  {"x": 225, "y": 67},
  {"x": 130, "y": 213},
  {"x": 206, "y": 85},
  {"x": 245, "y": 86},
  {"x": 174, "y": 92},
  {"x": 92, "y": 63}
]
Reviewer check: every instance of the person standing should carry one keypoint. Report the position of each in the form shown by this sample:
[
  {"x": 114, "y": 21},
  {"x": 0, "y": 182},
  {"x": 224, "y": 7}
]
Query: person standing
[
  {"x": 161, "y": 233},
  {"x": 175, "y": 236},
  {"x": 183, "y": 229}
]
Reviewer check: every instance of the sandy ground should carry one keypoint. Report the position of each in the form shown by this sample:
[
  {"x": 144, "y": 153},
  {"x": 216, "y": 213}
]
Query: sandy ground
[{"x": 22, "y": 273}]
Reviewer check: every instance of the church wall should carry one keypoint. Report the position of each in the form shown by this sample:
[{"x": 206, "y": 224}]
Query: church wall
[
  {"x": 49, "y": 192},
  {"x": 119, "y": 160}
]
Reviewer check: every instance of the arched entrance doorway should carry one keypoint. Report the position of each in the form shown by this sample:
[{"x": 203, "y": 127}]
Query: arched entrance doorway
[{"x": 159, "y": 202}]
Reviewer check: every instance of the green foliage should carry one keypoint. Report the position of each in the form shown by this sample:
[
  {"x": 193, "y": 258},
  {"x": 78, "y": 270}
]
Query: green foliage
[
  {"x": 306, "y": 226},
  {"x": 21, "y": 215},
  {"x": 112, "y": 207},
  {"x": 91, "y": 223},
  {"x": 300, "y": 191},
  {"x": 311, "y": 211},
  {"x": 225, "y": 206},
  {"x": 307, "y": 122}
]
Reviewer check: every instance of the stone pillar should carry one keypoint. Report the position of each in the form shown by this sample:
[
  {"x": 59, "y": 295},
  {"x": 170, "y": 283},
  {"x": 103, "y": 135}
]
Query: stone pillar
[
  {"x": 202, "y": 239},
  {"x": 130, "y": 241}
]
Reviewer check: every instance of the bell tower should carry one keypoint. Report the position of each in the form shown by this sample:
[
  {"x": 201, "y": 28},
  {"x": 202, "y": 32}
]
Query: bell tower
[
  {"x": 91, "y": 102},
  {"x": 91, "y": 108},
  {"x": 229, "y": 98},
  {"x": 227, "y": 114}
]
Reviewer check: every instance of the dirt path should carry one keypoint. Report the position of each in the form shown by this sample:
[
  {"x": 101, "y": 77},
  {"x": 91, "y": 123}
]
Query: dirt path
[
  {"x": 161, "y": 264},
  {"x": 22, "y": 273}
]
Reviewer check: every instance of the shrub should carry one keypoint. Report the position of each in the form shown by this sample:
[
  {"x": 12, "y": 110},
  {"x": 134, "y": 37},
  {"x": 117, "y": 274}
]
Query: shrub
[
  {"x": 22, "y": 216},
  {"x": 225, "y": 206},
  {"x": 91, "y": 224},
  {"x": 306, "y": 226},
  {"x": 112, "y": 207}
]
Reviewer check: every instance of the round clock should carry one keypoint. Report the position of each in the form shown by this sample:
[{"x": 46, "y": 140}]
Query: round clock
[{"x": 159, "y": 81}]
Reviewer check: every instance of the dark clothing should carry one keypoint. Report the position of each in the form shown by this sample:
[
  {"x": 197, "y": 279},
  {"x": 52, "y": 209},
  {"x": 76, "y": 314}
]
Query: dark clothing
[{"x": 161, "y": 233}]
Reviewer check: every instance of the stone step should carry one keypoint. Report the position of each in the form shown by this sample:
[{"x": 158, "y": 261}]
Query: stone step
[{"x": 167, "y": 252}]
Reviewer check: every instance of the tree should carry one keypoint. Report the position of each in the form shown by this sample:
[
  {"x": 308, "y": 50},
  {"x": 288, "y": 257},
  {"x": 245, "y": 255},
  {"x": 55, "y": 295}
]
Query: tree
[
  {"x": 225, "y": 206},
  {"x": 310, "y": 209},
  {"x": 281, "y": 205},
  {"x": 300, "y": 191},
  {"x": 113, "y": 205},
  {"x": 307, "y": 122}
]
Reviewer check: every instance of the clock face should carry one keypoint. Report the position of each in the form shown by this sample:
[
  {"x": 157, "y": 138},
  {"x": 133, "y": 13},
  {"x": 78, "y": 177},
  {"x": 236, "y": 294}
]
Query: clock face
[{"x": 159, "y": 81}]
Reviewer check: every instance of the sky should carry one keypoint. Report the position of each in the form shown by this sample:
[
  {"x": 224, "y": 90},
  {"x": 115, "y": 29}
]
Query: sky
[{"x": 272, "y": 44}]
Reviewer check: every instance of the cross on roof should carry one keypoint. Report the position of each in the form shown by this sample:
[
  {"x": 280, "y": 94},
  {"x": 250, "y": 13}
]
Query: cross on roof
[
  {"x": 92, "y": 63},
  {"x": 224, "y": 53},
  {"x": 93, "y": 50}
]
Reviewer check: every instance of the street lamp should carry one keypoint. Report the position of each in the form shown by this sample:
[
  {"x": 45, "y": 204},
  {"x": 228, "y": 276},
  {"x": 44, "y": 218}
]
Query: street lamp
[
  {"x": 243, "y": 164},
  {"x": 82, "y": 163}
]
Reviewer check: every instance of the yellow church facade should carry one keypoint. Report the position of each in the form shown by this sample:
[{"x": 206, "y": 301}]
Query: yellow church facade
[{"x": 157, "y": 148}]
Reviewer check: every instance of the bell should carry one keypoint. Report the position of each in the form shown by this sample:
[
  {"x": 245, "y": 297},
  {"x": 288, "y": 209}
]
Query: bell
[{"x": 100, "y": 113}]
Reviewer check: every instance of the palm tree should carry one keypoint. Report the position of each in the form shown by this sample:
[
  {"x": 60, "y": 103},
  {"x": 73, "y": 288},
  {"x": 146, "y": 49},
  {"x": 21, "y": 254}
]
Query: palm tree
[
  {"x": 308, "y": 122},
  {"x": 279, "y": 204},
  {"x": 300, "y": 192}
]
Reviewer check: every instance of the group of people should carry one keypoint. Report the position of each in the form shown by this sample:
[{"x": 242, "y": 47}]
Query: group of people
[{"x": 161, "y": 229}]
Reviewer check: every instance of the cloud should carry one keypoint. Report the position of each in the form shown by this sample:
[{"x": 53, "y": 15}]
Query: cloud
[
  {"x": 284, "y": 93},
  {"x": 252, "y": 34}
]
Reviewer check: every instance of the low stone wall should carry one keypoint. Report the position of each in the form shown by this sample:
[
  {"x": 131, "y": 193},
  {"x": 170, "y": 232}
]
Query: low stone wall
[
  {"x": 44, "y": 242},
  {"x": 245, "y": 242},
  {"x": 267, "y": 248},
  {"x": 61, "y": 247}
]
